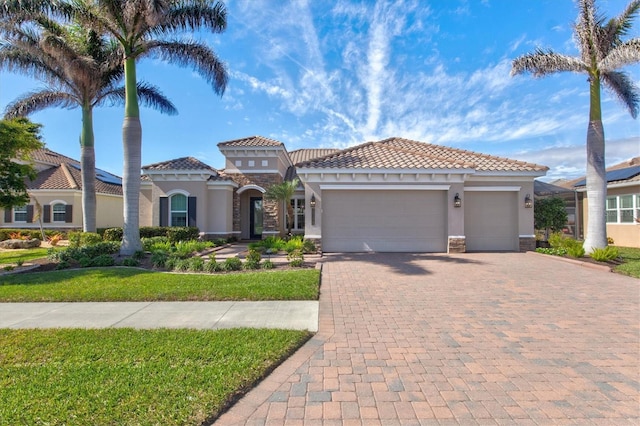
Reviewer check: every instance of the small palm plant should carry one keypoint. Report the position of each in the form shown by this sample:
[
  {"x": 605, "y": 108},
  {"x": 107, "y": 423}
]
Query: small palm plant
[{"x": 283, "y": 192}]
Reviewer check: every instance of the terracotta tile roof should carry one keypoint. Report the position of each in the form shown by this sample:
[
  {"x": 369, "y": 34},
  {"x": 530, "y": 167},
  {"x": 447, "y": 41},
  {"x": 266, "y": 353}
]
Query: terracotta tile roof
[
  {"x": 66, "y": 176},
  {"x": 47, "y": 156},
  {"x": 251, "y": 141},
  {"x": 301, "y": 155},
  {"x": 184, "y": 163},
  {"x": 398, "y": 153},
  {"x": 480, "y": 162}
]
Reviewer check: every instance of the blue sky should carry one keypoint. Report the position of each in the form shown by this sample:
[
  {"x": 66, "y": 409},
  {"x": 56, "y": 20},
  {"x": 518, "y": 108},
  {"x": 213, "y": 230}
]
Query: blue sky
[{"x": 317, "y": 74}]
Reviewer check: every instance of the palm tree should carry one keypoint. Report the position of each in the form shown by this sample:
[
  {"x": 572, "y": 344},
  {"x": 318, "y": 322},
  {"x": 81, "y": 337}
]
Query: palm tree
[
  {"x": 602, "y": 54},
  {"x": 283, "y": 192},
  {"x": 141, "y": 28},
  {"x": 81, "y": 69}
]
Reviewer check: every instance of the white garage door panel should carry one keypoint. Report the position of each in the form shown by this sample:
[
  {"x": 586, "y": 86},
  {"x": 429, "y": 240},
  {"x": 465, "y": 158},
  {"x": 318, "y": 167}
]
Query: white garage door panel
[
  {"x": 491, "y": 221},
  {"x": 384, "y": 220}
]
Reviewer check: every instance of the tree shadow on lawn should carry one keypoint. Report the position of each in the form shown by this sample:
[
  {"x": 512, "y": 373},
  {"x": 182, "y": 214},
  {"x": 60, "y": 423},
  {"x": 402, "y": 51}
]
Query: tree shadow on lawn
[{"x": 401, "y": 263}]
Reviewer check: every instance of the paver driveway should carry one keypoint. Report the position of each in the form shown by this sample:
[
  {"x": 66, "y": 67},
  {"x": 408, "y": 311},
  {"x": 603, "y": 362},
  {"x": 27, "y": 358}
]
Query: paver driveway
[{"x": 477, "y": 338}]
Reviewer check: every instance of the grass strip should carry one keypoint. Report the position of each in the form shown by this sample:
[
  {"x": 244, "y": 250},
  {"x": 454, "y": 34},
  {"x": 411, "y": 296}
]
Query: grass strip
[
  {"x": 25, "y": 255},
  {"x": 133, "y": 377},
  {"x": 631, "y": 258},
  {"x": 131, "y": 284}
]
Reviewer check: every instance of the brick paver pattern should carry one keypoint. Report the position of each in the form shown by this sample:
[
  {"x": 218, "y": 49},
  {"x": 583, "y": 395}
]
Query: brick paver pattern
[{"x": 467, "y": 339}]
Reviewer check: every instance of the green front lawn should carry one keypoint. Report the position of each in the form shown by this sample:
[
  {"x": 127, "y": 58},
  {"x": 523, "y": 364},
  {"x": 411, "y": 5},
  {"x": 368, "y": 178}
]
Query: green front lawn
[
  {"x": 631, "y": 258},
  {"x": 13, "y": 256},
  {"x": 128, "y": 284},
  {"x": 133, "y": 377}
]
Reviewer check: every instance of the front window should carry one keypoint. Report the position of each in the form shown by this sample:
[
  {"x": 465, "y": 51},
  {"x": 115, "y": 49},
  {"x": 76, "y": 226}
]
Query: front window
[
  {"x": 623, "y": 209},
  {"x": 20, "y": 214},
  {"x": 298, "y": 214},
  {"x": 178, "y": 210},
  {"x": 59, "y": 212}
]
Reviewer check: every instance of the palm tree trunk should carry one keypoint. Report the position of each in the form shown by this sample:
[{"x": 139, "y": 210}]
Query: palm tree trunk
[
  {"x": 596, "y": 234},
  {"x": 132, "y": 144},
  {"x": 88, "y": 167}
]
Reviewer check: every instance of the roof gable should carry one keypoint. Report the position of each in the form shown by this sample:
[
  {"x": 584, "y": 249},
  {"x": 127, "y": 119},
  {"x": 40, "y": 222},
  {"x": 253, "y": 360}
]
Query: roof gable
[
  {"x": 183, "y": 163},
  {"x": 251, "y": 141}
]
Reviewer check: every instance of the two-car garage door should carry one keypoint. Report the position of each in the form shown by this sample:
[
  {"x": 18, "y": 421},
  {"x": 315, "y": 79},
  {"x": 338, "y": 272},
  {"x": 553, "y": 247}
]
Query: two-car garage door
[{"x": 384, "y": 220}]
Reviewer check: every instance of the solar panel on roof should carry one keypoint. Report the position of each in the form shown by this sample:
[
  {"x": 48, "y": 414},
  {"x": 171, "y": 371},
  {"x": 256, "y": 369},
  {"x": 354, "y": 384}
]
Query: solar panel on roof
[
  {"x": 614, "y": 175},
  {"x": 103, "y": 176}
]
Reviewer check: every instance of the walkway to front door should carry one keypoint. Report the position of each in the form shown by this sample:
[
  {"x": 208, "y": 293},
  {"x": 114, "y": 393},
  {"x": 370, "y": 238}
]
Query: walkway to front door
[{"x": 476, "y": 338}]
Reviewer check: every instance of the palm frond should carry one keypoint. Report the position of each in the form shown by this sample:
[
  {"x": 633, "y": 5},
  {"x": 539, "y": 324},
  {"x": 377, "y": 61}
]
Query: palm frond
[
  {"x": 195, "y": 13},
  {"x": 625, "y": 90},
  {"x": 37, "y": 101},
  {"x": 148, "y": 95},
  {"x": 14, "y": 58},
  {"x": 621, "y": 25},
  {"x": 200, "y": 57},
  {"x": 622, "y": 55},
  {"x": 541, "y": 63}
]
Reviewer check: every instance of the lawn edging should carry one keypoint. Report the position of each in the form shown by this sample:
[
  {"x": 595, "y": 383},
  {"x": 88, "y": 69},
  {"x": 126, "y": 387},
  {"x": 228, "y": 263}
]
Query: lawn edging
[{"x": 577, "y": 262}]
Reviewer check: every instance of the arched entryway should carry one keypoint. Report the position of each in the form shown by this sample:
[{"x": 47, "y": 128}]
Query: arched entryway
[{"x": 251, "y": 212}]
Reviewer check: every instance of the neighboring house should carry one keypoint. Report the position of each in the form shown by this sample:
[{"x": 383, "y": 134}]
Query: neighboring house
[
  {"x": 58, "y": 189},
  {"x": 394, "y": 195},
  {"x": 622, "y": 204},
  {"x": 569, "y": 196}
]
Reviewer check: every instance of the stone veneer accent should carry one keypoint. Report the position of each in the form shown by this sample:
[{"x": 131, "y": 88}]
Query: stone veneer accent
[
  {"x": 270, "y": 208},
  {"x": 318, "y": 243},
  {"x": 527, "y": 244},
  {"x": 457, "y": 245}
]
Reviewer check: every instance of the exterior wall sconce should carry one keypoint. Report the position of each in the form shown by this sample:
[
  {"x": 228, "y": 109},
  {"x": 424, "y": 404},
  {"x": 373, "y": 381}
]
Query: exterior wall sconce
[
  {"x": 528, "y": 202},
  {"x": 457, "y": 201},
  {"x": 312, "y": 204}
]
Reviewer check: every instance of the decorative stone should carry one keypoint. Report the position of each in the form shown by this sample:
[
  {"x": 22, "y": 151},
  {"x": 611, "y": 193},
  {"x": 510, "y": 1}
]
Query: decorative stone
[
  {"x": 20, "y": 244},
  {"x": 457, "y": 245},
  {"x": 527, "y": 244}
]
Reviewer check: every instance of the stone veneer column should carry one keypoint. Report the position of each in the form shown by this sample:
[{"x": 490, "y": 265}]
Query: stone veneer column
[
  {"x": 457, "y": 245},
  {"x": 271, "y": 221},
  {"x": 527, "y": 244}
]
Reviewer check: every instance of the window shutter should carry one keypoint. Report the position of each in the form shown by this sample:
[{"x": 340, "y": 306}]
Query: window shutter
[
  {"x": 68, "y": 213},
  {"x": 8, "y": 216},
  {"x": 30, "y": 213},
  {"x": 191, "y": 211},
  {"x": 46, "y": 213},
  {"x": 164, "y": 211}
]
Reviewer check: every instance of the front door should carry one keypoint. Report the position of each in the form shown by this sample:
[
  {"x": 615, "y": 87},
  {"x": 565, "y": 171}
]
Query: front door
[{"x": 255, "y": 218}]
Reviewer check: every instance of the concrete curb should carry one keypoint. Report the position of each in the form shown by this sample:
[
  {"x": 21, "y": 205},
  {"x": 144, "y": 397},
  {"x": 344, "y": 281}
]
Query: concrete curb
[{"x": 589, "y": 265}]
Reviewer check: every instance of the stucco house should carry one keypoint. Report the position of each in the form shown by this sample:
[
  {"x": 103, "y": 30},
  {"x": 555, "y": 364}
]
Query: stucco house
[
  {"x": 58, "y": 189},
  {"x": 622, "y": 204},
  {"x": 394, "y": 195}
]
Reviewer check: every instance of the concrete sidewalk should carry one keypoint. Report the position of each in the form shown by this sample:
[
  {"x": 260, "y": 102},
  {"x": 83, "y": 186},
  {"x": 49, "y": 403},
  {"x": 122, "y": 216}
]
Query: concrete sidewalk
[{"x": 294, "y": 315}]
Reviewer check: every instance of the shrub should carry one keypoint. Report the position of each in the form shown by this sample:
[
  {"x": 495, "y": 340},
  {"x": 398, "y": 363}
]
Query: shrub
[
  {"x": 182, "y": 265},
  {"x": 138, "y": 254},
  {"x": 294, "y": 243},
  {"x": 575, "y": 249},
  {"x": 182, "y": 233},
  {"x": 254, "y": 256},
  {"x": 232, "y": 264},
  {"x": 296, "y": 258},
  {"x": 89, "y": 252},
  {"x": 159, "y": 258},
  {"x": 605, "y": 254},
  {"x": 55, "y": 239},
  {"x": 156, "y": 243},
  {"x": 196, "y": 264},
  {"x": 267, "y": 264},
  {"x": 171, "y": 262},
  {"x": 130, "y": 261},
  {"x": 112, "y": 234},
  {"x": 212, "y": 266},
  {"x": 83, "y": 239},
  {"x": 610, "y": 240},
  {"x": 309, "y": 246},
  {"x": 20, "y": 262},
  {"x": 8, "y": 268},
  {"x": 250, "y": 264},
  {"x": 556, "y": 240},
  {"x": 102, "y": 260},
  {"x": 274, "y": 243}
]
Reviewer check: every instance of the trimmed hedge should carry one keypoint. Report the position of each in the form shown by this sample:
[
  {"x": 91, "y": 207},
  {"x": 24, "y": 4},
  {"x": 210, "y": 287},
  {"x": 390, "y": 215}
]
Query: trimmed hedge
[{"x": 173, "y": 233}]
